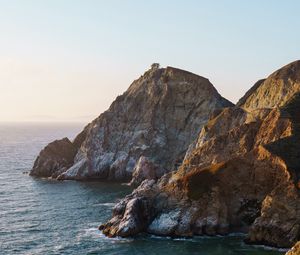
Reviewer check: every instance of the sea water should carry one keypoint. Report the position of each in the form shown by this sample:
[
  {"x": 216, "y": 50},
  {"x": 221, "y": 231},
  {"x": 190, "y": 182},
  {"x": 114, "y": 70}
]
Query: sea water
[{"x": 41, "y": 216}]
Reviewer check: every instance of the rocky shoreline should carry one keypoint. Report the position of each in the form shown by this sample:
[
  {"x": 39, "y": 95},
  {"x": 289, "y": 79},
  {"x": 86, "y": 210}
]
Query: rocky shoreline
[{"x": 204, "y": 166}]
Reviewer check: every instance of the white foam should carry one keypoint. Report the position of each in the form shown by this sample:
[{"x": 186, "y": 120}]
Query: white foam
[
  {"x": 96, "y": 234},
  {"x": 105, "y": 204},
  {"x": 269, "y": 248}
]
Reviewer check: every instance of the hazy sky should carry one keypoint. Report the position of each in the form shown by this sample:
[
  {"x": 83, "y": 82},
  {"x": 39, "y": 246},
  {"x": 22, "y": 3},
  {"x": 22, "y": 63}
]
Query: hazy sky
[{"x": 67, "y": 59}]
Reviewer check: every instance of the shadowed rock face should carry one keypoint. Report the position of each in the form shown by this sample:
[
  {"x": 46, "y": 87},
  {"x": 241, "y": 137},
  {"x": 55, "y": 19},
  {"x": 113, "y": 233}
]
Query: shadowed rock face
[
  {"x": 157, "y": 118},
  {"x": 55, "y": 158},
  {"x": 274, "y": 91},
  {"x": 240, "y": 174},
  {"x": 145, "y": 169}
]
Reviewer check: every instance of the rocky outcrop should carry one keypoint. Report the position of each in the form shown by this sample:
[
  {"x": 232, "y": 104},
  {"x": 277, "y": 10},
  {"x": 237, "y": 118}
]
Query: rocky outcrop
[
  {"x": 240, "y": 174},
  {"x": 132, "y": 214},
  {"x": 54, "y": 159},
  {"x": 156, "y": 119},
  {"x": 279, "y": 222},
  {"x": 146, "y": 170},
  {"x": 274, "y": 91}
]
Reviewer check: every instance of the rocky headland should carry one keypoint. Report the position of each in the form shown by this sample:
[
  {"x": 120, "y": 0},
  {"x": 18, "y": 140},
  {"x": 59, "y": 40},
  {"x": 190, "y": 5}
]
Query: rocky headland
[
  {"x": 144, "y": 134},
  {"x": 241, "y": 174},
  {"x": 201, "y": 165}
]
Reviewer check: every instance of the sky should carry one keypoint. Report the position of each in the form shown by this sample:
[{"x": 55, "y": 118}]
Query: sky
[{"x": 66, "y": 60}]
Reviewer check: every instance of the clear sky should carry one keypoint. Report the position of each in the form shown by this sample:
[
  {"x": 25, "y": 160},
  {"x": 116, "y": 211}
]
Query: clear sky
[{"x": 66, "y": 60}]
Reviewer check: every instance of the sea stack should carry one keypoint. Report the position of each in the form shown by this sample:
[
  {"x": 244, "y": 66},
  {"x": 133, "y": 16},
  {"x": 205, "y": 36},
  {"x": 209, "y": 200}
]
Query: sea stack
[{"x": 147, "y": 130}]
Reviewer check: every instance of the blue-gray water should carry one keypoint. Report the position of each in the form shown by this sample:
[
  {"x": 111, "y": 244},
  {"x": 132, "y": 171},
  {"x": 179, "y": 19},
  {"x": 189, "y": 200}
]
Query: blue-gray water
[{"x": 39, "y": 216}]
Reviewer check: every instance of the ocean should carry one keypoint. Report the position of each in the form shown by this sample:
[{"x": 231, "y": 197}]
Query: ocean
[{"x": 41, "y": 216}]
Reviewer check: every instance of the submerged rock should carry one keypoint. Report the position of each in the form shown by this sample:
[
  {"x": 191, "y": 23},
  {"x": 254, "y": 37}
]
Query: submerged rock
[{"x": 157, "y": 118}]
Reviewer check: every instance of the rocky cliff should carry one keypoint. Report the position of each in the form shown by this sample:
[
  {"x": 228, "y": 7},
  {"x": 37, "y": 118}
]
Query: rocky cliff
[
  {"x": 145, "y": 132},
  {"x": 240, "y": 174},
  {"x": 274, "y": 91}
]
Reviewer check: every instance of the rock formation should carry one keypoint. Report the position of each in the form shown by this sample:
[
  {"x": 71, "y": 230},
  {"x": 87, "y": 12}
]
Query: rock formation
[
  {"x": 241, "y": 174},
  {"x": 146, "y": 130},
  {"x": 55, "y": 158},
  {"x": 274, "y": 91},
  {"x": 145, "y": 169}
]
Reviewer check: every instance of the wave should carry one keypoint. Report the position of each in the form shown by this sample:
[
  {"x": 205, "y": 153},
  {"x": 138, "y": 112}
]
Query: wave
[
  {"x": 104, "y": 204},
  {"x": 96, "y": 234}
]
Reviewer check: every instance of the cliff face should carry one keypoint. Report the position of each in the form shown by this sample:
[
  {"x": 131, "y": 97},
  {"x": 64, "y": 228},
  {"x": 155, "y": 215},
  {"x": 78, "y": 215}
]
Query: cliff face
[
  {"x": 274, "y": 91},
  {"x": 240, "y": 174},
  {"x": 156, "y": 119}
]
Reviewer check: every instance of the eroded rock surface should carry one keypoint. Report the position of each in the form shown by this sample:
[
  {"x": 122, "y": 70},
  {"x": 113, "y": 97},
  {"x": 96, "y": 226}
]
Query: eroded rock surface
[
  {"x": 240, "y": 174},
  {"x": 55, "y": 158},
  {"x": 157, "y": 118},
  {"x": 275, "y": 91},
  {"x": 279, "y": 222},
  {"x": 146, "y": 170}
]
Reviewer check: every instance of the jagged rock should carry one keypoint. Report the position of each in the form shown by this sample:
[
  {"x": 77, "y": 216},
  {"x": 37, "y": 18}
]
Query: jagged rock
[
  {"x": 279, "y": 222},
  {"x": 132, "y": 214},
  {"x": 241, "y": 174},
  {"x": 55, "y": 158},
  {"x": 165, "y": 224},
  {"x": 133, "y": 219},
  {"x": 145, "y": 170},
  {"x": 295, "y": 250},
  {"x": 158, "y": 117},
  {"x": 275, "y": 91},
  {"x": 225, "y": 197},
  {"x": 233, "y": 133}
]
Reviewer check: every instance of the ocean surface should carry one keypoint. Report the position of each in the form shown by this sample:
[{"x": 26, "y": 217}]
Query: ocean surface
[{"x": 40, "y": 216}]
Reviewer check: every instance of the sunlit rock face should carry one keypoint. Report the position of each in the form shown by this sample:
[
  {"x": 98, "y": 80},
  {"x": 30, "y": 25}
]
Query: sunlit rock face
[
  {"x": 157, "y": 118},
  {"x": 275, "y": 91},
  {"x": 295, "y": 249},
  {"x": 240, "y": 174}
]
